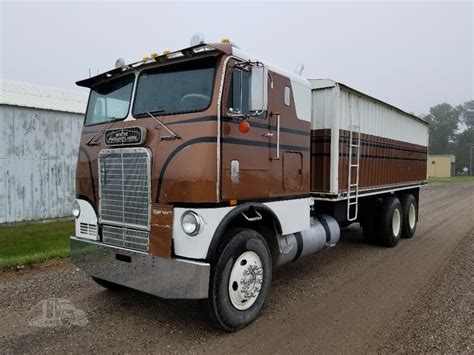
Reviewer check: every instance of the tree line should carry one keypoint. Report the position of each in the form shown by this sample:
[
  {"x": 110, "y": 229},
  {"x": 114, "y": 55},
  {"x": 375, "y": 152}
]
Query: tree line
[{"x": 452, "y": 131}]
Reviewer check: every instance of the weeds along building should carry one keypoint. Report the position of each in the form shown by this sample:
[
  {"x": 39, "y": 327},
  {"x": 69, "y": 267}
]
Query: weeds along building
[{"x": 40, "y": 128}]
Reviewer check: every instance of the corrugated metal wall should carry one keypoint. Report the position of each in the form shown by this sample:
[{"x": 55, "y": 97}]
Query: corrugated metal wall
[{"x": 38, "y": 154}]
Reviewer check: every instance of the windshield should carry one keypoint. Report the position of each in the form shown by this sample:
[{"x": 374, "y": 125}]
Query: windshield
[
  {"x": 110, "y": 100},
  {"x": 178, "y": 88}
]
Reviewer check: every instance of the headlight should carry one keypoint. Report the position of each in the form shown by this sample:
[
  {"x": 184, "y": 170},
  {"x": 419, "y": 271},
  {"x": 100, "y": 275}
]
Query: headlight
[
  {"x": 76, "y": 209},
  {"x": 191, "y": 223}
]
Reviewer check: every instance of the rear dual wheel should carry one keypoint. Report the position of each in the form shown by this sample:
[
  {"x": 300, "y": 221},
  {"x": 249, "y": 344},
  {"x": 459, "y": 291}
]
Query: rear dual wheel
[
  {"x": 390, "y": 224},
  {"x": 393, "y": 219},
  {"x": 240, "y": 279},
  {"x": 410, "y": 215}
]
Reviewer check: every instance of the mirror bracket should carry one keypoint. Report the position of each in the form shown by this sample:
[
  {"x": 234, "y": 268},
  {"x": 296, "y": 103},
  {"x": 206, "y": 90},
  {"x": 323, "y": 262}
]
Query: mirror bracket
[{"x": 258, "y": 89}]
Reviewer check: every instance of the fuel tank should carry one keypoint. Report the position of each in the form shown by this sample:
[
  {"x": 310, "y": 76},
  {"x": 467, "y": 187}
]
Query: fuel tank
[{"x": 324, "y": 232}]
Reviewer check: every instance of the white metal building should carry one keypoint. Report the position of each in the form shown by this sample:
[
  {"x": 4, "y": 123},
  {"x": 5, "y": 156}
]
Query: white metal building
[{"x": 40, "y": 129}]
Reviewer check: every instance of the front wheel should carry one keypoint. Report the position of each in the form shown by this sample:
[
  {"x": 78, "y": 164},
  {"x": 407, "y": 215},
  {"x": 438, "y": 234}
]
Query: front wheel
[{"x": 240, "y": 279}]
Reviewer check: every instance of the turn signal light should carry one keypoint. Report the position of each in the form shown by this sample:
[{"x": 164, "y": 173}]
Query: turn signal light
[{"x": 244, "y": 127}]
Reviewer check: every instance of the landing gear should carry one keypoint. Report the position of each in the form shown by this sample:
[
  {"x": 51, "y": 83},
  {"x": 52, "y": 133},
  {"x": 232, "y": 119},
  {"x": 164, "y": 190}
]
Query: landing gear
[{"x": 240, "y": 280}]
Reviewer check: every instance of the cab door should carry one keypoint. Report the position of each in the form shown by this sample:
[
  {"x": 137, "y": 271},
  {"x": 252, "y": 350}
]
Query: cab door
[{"x": 245, "y": 158}]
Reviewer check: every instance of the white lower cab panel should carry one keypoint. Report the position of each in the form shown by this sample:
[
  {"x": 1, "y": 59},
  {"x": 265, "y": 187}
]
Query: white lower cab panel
[
  {"x": 86, "y": 223},
  {"x": 294, "y": 216}
]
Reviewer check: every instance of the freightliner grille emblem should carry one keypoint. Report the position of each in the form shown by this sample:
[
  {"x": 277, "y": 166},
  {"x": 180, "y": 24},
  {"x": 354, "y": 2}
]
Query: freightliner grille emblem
[{"x": 125, "y": 136}]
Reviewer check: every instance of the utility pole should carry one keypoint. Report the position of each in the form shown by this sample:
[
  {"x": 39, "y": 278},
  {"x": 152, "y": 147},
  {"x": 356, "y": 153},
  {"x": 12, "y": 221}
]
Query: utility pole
[{"x": 471, "y": 146}]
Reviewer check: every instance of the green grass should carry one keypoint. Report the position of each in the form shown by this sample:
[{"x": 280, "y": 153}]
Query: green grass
[
  {"x": 450, "y": 179},
  {"x": 34, "y": 243}
]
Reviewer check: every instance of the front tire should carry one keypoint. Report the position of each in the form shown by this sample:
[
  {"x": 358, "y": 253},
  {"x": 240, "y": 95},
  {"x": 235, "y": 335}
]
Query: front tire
[{"x": 240, "y": 279}]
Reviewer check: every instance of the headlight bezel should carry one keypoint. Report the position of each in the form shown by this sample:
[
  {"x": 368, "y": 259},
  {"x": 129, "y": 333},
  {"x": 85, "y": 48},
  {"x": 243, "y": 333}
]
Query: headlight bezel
[
  {"x": 76, "y": 209},
  {"x": 198, "y": 223}
]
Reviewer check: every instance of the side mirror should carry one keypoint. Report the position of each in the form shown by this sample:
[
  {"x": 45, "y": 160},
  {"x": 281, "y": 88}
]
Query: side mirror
[{"x": 258, "y": 88}]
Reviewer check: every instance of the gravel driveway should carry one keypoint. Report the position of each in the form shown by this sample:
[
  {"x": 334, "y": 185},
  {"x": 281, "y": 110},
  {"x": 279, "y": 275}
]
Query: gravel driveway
[{"x": 353, "y": 298}]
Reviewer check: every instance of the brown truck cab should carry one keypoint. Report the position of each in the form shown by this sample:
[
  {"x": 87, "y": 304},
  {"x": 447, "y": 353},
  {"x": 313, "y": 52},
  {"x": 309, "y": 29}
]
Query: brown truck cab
[{"x": 201, "y": 170}]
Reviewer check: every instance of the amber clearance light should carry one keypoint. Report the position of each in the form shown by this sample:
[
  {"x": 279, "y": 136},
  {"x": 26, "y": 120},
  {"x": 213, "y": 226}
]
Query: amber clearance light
[{"x": 244, "y": 127}]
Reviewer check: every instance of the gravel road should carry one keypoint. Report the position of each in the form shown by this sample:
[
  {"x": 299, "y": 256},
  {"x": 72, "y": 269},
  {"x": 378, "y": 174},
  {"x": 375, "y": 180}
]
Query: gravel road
[{"x": 354, "y": 298}]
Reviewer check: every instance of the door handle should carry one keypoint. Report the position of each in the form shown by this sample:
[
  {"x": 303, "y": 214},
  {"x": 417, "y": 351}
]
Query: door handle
[
  {"x": 268, "y": 134},
  {"x": 278, "y": 138}
]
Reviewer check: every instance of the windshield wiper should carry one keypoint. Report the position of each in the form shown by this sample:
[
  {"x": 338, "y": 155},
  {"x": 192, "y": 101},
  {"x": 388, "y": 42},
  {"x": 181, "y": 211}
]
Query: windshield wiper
[
  {"x": 93, "y": 141},
  {"x": 172, "y": 135}
]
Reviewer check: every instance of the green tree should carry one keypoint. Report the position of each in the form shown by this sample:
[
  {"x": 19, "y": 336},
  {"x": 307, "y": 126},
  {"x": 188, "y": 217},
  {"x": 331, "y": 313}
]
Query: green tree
[
  {"x": 467, "y": 114},
  {"x": 443, "y": 120}
]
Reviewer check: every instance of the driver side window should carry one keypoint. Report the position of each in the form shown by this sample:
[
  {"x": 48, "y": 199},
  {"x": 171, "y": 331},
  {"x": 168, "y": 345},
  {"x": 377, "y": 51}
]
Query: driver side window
[{"x": 239, "y": 94}]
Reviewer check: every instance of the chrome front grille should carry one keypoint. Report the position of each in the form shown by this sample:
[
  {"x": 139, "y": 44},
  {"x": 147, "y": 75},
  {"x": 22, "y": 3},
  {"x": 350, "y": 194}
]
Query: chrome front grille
[
  {"x": 124, "y": 190},
  {"x": 125, "y": 237}
]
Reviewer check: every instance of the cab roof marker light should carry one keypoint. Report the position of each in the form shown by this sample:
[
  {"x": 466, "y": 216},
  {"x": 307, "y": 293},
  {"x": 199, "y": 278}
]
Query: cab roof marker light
[
  {"x": 154, "y": 55},
  {"x": 166, "y": 52},
  {"x": 228, "y": 41},
  {"x": 145, "y": 59}
]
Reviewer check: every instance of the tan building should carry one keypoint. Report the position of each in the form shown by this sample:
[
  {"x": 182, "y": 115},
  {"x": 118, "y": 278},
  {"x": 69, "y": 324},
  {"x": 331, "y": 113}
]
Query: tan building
[{"x": 441, "y": 165}]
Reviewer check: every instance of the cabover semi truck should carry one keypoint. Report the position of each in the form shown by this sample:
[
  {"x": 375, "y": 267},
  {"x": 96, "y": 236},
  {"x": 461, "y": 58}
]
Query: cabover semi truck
[{"x": 202, "y": 170}]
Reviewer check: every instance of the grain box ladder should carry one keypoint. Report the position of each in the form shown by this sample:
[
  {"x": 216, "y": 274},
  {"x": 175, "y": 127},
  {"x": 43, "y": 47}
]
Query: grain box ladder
[{"x": 354, "y": 149}]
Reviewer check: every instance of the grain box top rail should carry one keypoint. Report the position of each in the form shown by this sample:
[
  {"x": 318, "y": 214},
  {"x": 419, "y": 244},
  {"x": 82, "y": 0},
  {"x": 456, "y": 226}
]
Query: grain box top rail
[{"x": 318, "y": 84}]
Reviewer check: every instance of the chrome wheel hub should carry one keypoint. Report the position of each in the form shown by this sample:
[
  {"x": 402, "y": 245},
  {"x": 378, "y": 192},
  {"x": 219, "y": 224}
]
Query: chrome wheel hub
[
  {"x": 411, "y": 216},
  {"x": 396, "y": 222},
  {"x": 245, "y": 280}
]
